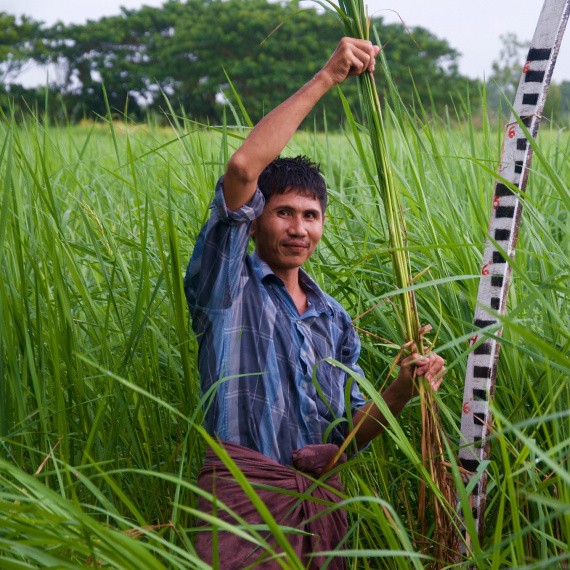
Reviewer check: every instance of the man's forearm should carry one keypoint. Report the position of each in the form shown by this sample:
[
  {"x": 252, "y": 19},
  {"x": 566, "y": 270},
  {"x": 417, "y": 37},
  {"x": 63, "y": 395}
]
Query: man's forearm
[
  {"x": 271, "y": 135},
  {"x": 273, "y": 132},
  {"x": 399, "y": 393},
  {"x": 396, "y": 396}
]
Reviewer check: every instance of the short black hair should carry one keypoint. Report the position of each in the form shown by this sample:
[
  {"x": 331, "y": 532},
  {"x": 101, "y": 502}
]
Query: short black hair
[{"x": 298, "y": 174}]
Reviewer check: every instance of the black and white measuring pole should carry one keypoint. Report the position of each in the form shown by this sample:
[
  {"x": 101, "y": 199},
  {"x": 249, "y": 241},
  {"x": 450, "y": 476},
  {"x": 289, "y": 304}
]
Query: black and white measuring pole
[{"x": 514, "y": 167}]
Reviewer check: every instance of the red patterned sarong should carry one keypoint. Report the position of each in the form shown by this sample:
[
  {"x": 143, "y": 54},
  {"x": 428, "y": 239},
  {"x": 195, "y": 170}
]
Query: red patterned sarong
[{"x": 279, "y": 487}]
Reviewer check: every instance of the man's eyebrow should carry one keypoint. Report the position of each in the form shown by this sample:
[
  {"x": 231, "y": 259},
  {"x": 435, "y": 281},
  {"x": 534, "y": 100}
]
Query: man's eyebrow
[{"x": 295, "y": 208}]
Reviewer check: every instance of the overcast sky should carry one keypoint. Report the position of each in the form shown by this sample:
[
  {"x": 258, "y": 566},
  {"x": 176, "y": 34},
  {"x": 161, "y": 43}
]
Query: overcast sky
[{"x": 473, "y": 28}]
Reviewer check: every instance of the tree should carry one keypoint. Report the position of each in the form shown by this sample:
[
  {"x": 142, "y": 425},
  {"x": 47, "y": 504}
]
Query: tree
[
  {"x": 269, "y": 49},
  {"x": 114, "y": 52},
  {"x": 266, "y": 49},
  {"x": 19, "y": 40},
  {"x": 420, "y": 60},
  {"x": 189, "y": 49},
  {"x": 506, "y": 70},
  {"x": 557, "y": 105}
]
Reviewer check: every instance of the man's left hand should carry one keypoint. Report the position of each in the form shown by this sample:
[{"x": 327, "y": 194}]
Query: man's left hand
[{"x": 430, "y": 366}]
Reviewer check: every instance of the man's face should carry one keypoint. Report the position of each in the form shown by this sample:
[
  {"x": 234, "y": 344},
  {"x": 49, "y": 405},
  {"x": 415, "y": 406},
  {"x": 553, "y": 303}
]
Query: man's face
[{"x": 288, "y": 230}]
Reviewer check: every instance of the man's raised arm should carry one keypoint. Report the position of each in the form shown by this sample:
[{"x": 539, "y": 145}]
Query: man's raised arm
[{"x": 273, "y": 132}]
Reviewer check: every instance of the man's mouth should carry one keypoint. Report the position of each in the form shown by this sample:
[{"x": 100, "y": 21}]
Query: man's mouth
[{"x": 296, "y": 245}]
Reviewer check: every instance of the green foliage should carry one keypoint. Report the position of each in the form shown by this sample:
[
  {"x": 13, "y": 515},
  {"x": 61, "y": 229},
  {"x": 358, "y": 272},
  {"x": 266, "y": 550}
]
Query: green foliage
[
  {"x": 422, "y": 61},
  {"x": 19, "y": 41},
  {"x": 502, "y": 84},
  {"x": 507, "y": 68},
  {"x": 98, "y": 384},
  {"x": 557, "y": 106},
  {"x": 189, "y": 49}
]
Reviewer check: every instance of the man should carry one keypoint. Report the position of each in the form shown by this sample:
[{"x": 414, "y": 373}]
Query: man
[{"x": 265, "y": 329}]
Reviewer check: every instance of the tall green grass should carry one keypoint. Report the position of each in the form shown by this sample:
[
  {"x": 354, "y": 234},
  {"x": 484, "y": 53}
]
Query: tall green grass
[{"x": 99, "y": 399}]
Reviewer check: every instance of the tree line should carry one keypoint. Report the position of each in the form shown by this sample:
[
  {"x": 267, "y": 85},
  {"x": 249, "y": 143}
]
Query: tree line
[{"x": 205, "y": 56}]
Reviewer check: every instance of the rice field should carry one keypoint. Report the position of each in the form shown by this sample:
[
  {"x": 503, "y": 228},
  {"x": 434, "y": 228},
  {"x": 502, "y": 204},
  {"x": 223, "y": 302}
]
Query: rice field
[{"x": 100, "y": 439}]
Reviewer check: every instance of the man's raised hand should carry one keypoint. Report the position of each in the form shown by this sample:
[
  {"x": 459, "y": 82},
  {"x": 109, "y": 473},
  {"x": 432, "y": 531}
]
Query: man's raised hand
[{"x": 351, "y": 57}]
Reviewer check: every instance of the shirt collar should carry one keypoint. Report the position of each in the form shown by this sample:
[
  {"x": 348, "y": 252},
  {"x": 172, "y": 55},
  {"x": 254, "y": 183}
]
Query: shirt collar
[{"x": 315, "y": 295}]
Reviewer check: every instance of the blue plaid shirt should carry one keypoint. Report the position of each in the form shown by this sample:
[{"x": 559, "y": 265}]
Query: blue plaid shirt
[{"x": 260, "y": 361}]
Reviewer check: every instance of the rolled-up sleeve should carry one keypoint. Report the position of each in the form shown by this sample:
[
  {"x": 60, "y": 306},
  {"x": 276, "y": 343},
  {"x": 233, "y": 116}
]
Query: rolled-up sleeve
[{"x": 213, "y": 274}]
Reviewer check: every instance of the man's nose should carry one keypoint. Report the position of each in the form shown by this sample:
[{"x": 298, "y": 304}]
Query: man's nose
[{"x": 297, "y": 226}]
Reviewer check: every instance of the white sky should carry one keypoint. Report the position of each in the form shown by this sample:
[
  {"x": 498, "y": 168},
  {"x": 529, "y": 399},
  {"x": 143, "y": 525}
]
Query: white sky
[{"x": 473, "y": 28}]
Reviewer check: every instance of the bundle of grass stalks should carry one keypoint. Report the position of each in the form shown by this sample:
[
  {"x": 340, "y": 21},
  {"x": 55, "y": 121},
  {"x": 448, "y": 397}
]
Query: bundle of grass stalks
[{"x": 443, "y": 544}]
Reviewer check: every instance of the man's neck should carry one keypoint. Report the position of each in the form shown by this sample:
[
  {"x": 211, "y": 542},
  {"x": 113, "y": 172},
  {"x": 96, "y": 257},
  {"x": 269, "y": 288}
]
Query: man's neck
[{"x": 290, "y": 278}]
